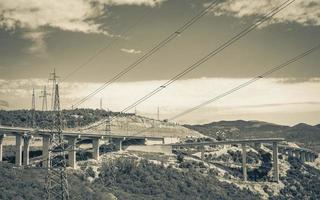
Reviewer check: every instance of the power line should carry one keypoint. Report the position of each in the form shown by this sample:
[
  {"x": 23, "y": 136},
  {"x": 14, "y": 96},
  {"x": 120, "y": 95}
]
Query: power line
[
  {"x": 247, "y": 83},
  {"x": 208, "y": 56},
  {"x": 149, "y": 53},
  {"x": 243, "y": 85},
  {"x": 107, "y": 46}
]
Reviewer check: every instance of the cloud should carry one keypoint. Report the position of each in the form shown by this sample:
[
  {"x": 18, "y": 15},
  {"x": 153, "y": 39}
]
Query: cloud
[
  {"x": 151, "y": 3},
  {"x": 131, "y": 51},
  {"x": 39, "y": 46},
  {"x": 3, "y": 103},
  {"x": 304, "y": 12},
  {"x": 266, "y": 100},
  {"x": 298, "y": 80},
  {"x": 71, "y": 15}
]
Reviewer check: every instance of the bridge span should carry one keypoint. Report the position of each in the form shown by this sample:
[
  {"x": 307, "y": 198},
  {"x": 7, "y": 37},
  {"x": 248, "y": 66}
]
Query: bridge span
[
  {"x": 24, "y": 135},
  {"x": 301, "y": 153}
]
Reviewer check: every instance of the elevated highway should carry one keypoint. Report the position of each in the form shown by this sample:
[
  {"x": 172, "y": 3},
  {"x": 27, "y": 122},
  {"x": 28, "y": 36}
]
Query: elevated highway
[{"x": 25, "y": 135}]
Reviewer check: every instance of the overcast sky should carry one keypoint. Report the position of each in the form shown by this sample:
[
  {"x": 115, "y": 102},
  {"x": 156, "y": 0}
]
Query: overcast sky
[{"x": 37, "y": 36}]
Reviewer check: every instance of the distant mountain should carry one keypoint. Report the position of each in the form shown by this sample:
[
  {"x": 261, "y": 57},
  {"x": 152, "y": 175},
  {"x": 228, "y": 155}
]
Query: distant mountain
[{"x": 303, "y": 134}]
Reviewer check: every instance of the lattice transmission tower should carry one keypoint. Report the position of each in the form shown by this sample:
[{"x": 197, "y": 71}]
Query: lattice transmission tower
[
  {"x": 44, "y": 95},
  {"x": 54, "y": 79},
  {"x": 56, "y": 183},
  {"x": 33, "y": 110}
]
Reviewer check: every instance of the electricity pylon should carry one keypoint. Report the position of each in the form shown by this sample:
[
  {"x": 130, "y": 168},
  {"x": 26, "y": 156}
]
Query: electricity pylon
[
  {"x": 57, "y": 183},
  {"x": 108, "y": 125},
  {"x": 44, "y": 95},
  {"x": 53, "y": 78},
  {"x": 33, "y": 110}
]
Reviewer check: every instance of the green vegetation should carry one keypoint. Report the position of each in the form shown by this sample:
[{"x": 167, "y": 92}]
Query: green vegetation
[
  {"x": 124, "y": 178},
  {"x": 132, "y": 179},
  {"x": 44, "y": 119},
  {"x": 25, "y": 184},
  {"x": 301, "y": 182}
]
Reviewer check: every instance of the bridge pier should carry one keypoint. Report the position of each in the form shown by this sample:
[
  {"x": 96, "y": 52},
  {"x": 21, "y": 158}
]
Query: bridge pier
[
  {"x": 72, "y": 152},
  {"x": 303, "y": 156},
  {"x": 95, "y": 147},
  {"x": 296, "y": 154},
  {"x": 275, "y": 161},
  {"x": 18, "y": 159},
  {"x": 202, "y": 152},
  {"x": 1, "y": 147},
  {"x": 308, "y": 157},
  {"x": 118, "y": 143},
  {"x": 244, "y": 161},
  {"x": 313, "y": 157},
  {"x": 290, "y": 153},
  {"x": 45, "y": 151},
  {"x": 26, "y": 148}
]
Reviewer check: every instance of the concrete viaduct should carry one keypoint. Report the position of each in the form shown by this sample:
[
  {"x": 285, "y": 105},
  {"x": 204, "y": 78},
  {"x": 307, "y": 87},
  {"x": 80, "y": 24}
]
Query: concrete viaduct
[
  {"x": 24, "y": 135},
  {"x": 303, "y": 154}
]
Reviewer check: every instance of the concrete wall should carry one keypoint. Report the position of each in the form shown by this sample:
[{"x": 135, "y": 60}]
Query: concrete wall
[
  {"x": 166, "y": 140},
  {"x": 167, "y": 150},
  {"x": 171, "y": 140},
  {"x": 153, "y": 141}
]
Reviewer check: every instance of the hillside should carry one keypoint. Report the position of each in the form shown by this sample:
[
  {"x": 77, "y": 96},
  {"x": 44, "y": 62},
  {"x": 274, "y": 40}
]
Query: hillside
[
  {"x": 134, "y": 175},
  {"x": 305, "y": 135},
  {"x": 122, "y": 123},
  {"x": 25, "y": 184},
  {"x": 138, "y": 125},
  {"x": 72, "y": 118},
  {"x": 130, "y": 175}
]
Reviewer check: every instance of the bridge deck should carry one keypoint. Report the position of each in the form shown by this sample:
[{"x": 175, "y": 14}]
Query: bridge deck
[
  {"x": 40, "y": 132},
  {"x": 243, "y": 141}
]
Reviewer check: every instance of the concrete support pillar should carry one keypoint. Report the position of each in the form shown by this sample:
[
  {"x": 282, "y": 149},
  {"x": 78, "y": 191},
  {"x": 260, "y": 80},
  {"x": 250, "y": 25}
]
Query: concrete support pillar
[
  {"x": 303, "y": 156},
  {"x": 275, "y": 161},
  {"x": 118, "y": 143},
  {"x": 244, "y": 162},
  {"x": 1, "y": 147},
  {"x": 45, "y": 151},
  {"x": 308, "y": 157},
  {"x": 202, "y": 152},
  {"x": 95, "y": 147},
  {"x": 290, "y": 153},
  {"x": 26, "y": 148},
  {"x": 313, "y": 157},
  {"x": 297, "y": 154},
  {"x": 19, "y": 141},
  {"x": 72, "y": 152}
]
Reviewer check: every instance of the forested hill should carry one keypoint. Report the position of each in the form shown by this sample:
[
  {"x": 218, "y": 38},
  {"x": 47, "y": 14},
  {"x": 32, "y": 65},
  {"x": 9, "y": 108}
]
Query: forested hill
[
  {"x": 303, "y": 134},
  {"x": 44, "y": 119}
]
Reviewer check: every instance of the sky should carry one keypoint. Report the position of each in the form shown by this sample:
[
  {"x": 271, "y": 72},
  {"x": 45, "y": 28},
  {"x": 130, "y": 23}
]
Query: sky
[{"x": 38, "y": 36}]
